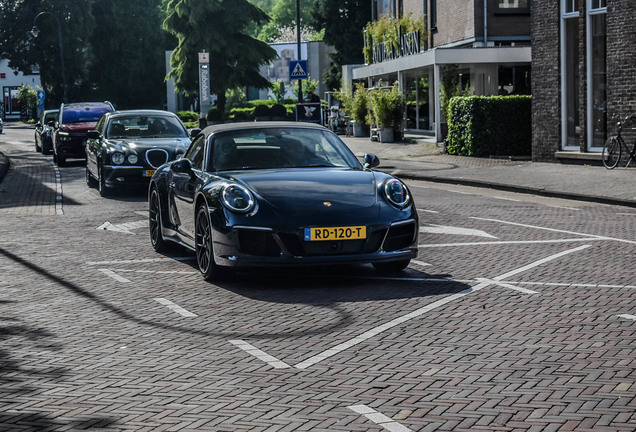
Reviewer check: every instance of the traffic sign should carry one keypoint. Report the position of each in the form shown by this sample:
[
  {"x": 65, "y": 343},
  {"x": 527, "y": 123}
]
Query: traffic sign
[
  {"x": 298, "y": 69},
  {"x": 41, "y": 94}
]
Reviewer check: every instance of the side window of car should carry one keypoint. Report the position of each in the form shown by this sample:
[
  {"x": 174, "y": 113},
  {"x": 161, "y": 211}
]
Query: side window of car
[
  {"x": 196, "y": 154},
  {"x": 100, "y": 125}
]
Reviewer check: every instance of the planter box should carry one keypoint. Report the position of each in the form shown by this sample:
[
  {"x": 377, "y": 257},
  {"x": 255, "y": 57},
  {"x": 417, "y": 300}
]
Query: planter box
[
  {"x": 360, "y": 130},
  {"x": 386, "y": 134}
]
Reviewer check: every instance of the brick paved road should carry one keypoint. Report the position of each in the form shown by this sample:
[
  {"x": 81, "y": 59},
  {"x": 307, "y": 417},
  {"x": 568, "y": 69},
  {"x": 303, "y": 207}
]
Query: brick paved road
[{"x": 524, "y": 320}]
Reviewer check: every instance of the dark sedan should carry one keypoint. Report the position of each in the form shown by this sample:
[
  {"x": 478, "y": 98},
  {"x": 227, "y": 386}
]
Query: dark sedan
[
  {"x": 280, "y": 193},
  {"x": 44, "y": 130},
  {"x": 127, "y": 147}
]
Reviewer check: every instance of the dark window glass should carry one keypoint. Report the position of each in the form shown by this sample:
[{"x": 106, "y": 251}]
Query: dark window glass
[
  {"x": 433, "y": 13},
  {"x": 513, "y": 6},
  {"x": 195, "y": 153}
]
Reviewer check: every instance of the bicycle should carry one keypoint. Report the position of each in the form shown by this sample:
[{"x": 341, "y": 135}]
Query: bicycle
[{"x": 613, "y": 149}]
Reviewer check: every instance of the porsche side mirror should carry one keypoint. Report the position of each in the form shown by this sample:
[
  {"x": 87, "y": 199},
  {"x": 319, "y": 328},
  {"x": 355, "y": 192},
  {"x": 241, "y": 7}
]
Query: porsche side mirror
[
  {"x": 38, "y": 124},
  {"x": 371, "y": 160},
  {"x": 194, "y": 132},
  {"x": 182, "y": 165},
  {"x": 92, "y": 134}
]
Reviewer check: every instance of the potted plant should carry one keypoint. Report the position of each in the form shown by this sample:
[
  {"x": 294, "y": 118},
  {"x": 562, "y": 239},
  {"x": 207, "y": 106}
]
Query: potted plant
[
  {"x": 360, "y": 111},
  {"x": 387, "y": 107}
]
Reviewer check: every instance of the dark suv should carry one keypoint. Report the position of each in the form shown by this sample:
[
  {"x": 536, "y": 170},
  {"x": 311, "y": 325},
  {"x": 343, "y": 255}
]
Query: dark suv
[{"x": 74, "y": 120}]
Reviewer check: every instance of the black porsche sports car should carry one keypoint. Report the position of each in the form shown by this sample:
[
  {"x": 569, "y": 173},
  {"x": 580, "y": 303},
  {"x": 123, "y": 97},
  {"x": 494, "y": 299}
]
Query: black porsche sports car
[
  {"x": 127, "y": 147},
  {"x": 280, "y": 193}
]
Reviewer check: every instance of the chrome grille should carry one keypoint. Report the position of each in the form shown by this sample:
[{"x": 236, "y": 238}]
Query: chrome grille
[{"x": 156, "y": 157}]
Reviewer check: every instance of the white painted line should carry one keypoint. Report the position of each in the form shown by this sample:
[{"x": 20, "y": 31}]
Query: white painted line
[
  {"x": 175, "y": 307},
  {"x": 461, "y": 193},
  {"x": 506, "y": 199},
  {"x": 427, "y": 211},
  {"x": 576, "y": 285},
  {"x": 509, "y": 242},
  {"x": 138, "y": 261},
  {"x": 59, "y": 197},
  {"x": 555, "y": 230},
  {"x": 626, "y": 214},
  {"x": 441, "y": 229},
  {"x": 114, "y": 275},
  {"x": 378, "y": 418},
  {"x": 381, "y": 328},
  {"x": 507, "y": 285},
  {"x": 250, "y": 349},
  {"x": 420, "y": 263},
  {"x": 125, "y": 228},
  {"x": 540, "y": 262},
  {"x": 627, "y": 316},
  {"x": 564, "y": 207},
  {"x": 157, "y": 271}
]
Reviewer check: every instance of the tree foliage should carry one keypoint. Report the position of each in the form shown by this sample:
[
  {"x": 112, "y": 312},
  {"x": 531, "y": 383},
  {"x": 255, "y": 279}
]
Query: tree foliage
[
  {"x": 219, "y": 27},
  {"x": 283, "y": 16}
]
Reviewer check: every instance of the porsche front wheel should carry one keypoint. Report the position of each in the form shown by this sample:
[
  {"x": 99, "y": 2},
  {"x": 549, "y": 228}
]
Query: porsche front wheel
[
  {"x": 203, "y": 244},
  {"x": 154, "y": 222}
]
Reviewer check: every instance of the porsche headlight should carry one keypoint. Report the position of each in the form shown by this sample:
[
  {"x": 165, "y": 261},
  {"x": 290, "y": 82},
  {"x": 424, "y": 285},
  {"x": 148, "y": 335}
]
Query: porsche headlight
[
  {"x": 133, "y": 159},
  {"x": 396, "y": 193},
  {"x": 117, "y": 158},
  {"x": 237, "y": 198}
]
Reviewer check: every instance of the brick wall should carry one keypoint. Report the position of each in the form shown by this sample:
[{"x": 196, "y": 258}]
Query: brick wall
[
  {"x": 455, "y": 21},
  {"x": 546, "y": 90}
]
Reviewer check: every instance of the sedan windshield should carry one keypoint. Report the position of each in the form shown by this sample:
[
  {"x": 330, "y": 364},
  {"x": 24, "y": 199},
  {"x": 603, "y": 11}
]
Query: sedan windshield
[
  {"x": 145, "y": 126},
  {"x": 266, "y": 148}
]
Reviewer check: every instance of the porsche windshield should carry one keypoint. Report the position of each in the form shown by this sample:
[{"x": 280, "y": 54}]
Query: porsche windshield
[{"x": 268, "y": 148}]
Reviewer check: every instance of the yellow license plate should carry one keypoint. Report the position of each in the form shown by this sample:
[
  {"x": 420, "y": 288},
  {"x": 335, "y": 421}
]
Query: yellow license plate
[
  {"x": 149, "y": 173},
  {"x": 336, "y": 233}
]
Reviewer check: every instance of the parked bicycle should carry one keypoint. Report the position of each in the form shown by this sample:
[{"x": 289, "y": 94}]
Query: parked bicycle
[{"x": 613, "y": 149}]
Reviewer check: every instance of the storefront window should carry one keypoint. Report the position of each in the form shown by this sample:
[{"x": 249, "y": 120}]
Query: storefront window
[
  {"x": 513, "y": 80},
  {"x": 513, "y": 6},
  {"x": 598, "y": 80},
  {"x": 571, "y": 82}
]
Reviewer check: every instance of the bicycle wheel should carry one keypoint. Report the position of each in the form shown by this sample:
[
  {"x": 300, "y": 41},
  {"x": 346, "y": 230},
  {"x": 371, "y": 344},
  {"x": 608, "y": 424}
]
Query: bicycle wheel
[{"x": 611, "y": 152}]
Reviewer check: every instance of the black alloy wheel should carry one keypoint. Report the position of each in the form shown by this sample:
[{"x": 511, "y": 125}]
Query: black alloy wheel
[
  {"x": 392, "y": 267},
  {"x": 154, "y": 222},
  {"x": 101, "y": 181},
  {"x": 203, "y": 244}
]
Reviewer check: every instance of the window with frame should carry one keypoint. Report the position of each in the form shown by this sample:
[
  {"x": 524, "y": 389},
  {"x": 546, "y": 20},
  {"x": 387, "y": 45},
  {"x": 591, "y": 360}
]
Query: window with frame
[
  {"x": 571, "y": 6},
  {"x": 433, "y": 13},
  {"x": 513, "y": 6},
  {"x": 598, "y": 4},
  {"x": 195, "y": 153}
]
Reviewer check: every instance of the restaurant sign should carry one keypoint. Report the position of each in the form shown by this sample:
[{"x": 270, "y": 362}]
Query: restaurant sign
[{"x": 408, "y": 44}]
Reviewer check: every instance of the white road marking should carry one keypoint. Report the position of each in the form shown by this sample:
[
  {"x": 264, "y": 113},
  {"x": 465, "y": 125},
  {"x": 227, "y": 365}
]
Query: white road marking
[
  {"x": 626, "y": 214},
  {"x": 540, "y": 262},
  {"x": 125, "y": 228},
  {"x": 506, "y": 199},
  {"x": 564, "y": 207},
  {"x": 461, "y": 193},
  {"x": 507, "y": 285},
  {"x": 250, "y": 349},
  {"x": 420, "y": 263},
  {"x": 508, "y": 242},
  {"x": 627, "y": 316},
  {"x": 554, "y": 230},
  {"x": 441, "y": 229},
  {"x": 114, "y": 275},
  {"x": 427, "y": 211},
  {"x": 59, "y": 197},
  {"x": 139, "y": 261},
  {"x": 157, "y": 271},
  {"x": 575, "y": 285},
  {"x": 378, "y": 418},
  {"x": 175, "y": 307}
]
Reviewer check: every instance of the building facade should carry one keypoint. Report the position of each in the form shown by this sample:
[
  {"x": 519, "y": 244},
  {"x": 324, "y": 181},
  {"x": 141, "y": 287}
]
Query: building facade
[
  {"x": 483, "y": 44},
  {"x": 584, "y": 75},
  {"x": 10, "y": 82}
]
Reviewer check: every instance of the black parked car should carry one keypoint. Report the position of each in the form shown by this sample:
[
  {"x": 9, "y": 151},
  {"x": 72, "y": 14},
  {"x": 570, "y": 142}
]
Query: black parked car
[
  {"x": 280, "y": 193},
  {"x": 128, "y": 146},
  {"x": 44, "y": 130}
]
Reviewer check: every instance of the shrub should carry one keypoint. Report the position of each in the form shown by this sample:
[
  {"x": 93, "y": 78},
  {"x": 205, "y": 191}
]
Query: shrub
[
  {"x": 214, "y": 115},
  {"x": 242, "y": 114},
  {"x": 188, "y": 116},
  {"x": 278, "y": 110},
  {"x": 360, "y": 105},
  {"x": 490, "y": 126},
  {"x": 261, "y": 111},
  {"x": 387, "y": 107}
]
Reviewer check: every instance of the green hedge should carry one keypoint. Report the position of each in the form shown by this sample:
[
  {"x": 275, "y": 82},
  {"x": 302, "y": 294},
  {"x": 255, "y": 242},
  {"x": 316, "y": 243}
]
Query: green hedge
[
  {"x": 490, "y": 126},
  {"x": 188, "y": 116}
]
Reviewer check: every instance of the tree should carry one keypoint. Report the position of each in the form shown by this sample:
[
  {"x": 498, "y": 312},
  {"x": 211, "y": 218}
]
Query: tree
[
  {"x": 220, "y": 28},
  {"x": 24, "y": 51},
  {"x": 129, "y": 53},
  {"x": 344, "y": 22},
  {"x": 283, "y": 15}
]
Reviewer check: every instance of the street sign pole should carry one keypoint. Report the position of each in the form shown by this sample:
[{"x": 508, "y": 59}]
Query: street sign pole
[
  {"x": 300, "y": 81},
  {"x": 204, "y": 84}
]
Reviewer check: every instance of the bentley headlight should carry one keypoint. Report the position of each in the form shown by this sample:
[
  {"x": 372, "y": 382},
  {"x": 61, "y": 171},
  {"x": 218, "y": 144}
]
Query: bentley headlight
[
  {"x": 396, "y": 193},
  {"x": 237, "y": 198},
  {"x": 117, "y": 158},
  {"x": 133, "y": 159}
]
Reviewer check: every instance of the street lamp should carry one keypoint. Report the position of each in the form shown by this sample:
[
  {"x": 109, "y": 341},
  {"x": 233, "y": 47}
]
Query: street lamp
[{"x": 35, "y": 31}]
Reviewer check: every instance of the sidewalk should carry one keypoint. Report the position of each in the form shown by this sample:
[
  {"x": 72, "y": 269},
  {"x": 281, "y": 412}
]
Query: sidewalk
[{"x": 420, "y": 158}]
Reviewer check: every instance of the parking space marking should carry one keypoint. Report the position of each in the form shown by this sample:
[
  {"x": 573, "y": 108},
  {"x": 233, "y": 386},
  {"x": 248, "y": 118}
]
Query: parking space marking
[
  {"x": 506, "y": 199},
  {"x": 114, "y": 275},
  {"x": 378, "y": 418},
  {"x": 175, "y": 307},
  {"x": 540, "y": 262},
  {"x": 157, "y": 271},
  {"x": 251, "y": 349},
  {"x": 427, "y": 211},
  {"x": 420, "y": 263},
  {"x": 508, "y": 285},
  {"x": 594, "y": 236},
  {"x": 59, "y": 197},
  {"x": 627, "y": 316},
  {"x": 509, "y": 242},
  {"x": 442, "y": 229},
  {"x": 564, "y": 207},
  {"x": 575, "y": 285},
  {"x": 125, "y": 228},
  {"x": 140, "y": 261}
]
